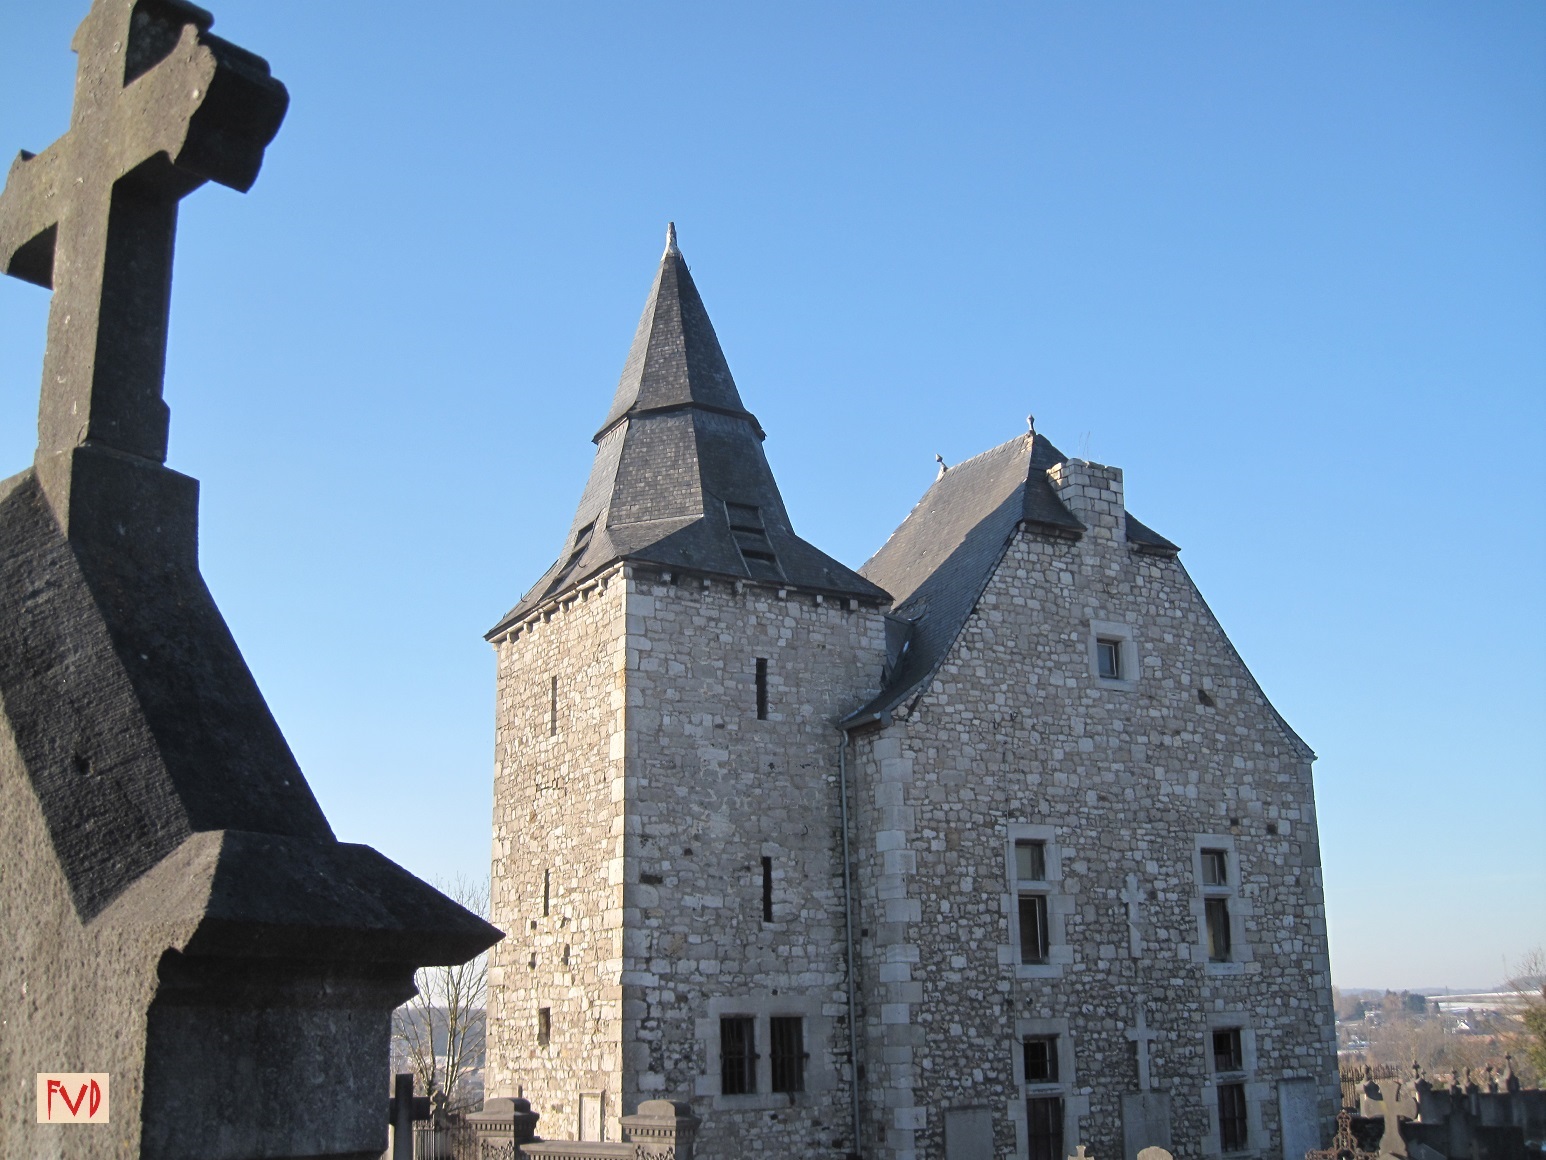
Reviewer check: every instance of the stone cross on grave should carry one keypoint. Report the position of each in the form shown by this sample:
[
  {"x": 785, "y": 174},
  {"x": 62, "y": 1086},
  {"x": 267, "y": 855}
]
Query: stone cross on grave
[
  {"x": 160, "y": 108},
  {"x": 1142, "y": 1037},
  {"x": 1134, "y": 899}
]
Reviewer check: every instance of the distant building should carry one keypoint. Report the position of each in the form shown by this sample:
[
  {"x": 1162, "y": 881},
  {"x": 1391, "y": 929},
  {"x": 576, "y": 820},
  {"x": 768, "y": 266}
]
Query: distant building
[{"x": 1084, "y": 902}]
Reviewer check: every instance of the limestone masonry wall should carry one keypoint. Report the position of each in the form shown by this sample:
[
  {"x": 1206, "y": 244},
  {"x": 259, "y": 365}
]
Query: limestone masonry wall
[
  {"x": 1126, "y": 779},
  {"x": 556, "y": 885},
  {"x": 711, "y": 791}
]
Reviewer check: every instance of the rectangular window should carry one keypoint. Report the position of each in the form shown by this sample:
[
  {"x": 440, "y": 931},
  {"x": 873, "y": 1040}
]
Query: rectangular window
[
  {"x": 1218, "y": 929},
  {"x": 767, "y": 890},
  {"x": 1031, "y": 861},
  {"x": 737, "y": 1056},
  {"x": 1232, "y": 1125},
  {"x": 553, "y": 708},
  {"x": 1041, "y": 1059},
  {"x": 1215, "y": 868},
  {"x": 1226, "y": 1050},
  {"x": 1044, "y": 1127},
  {"x": 788, "y": 1052},
  {"x": 544, "y": 1026},
  {"x": 1033, "y": 928},
  {"x": 1108, "y": 658},
  {"x": 762, "y": 688}
]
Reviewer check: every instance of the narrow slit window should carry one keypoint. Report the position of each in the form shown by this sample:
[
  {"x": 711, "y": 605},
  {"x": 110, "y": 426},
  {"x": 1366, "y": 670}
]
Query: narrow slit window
[
  {"x": 787, "y": 1035},
  {"x": 762, "y": 688},
  {"x": 1033, "y": 928},
  {"x": 547, "y": 892},
  {"x": 553, "y": 707},
  {"x": 737, "y": 1056},
  {"x": 1218, "y": 929},
  {"x": 767, "y": 890},
  {"x": 544, "y": 1026}
]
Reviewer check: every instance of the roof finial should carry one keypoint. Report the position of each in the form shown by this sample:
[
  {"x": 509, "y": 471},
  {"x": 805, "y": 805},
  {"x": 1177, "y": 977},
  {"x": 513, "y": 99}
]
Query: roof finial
[
  {"x": 1030, "y": 423},
  {"x": 943, "y": 466},
  {"x": 671, "y": 239}
]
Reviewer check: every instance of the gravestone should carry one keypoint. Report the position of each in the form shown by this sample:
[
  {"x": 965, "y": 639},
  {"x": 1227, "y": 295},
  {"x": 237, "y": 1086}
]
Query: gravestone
[
  {"x": 968, "y": 1134},
  {"x": 178, "y": 913}
]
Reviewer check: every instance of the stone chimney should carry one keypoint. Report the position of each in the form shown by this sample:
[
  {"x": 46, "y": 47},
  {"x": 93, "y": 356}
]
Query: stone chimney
[{"x": 1093, "y": 492}]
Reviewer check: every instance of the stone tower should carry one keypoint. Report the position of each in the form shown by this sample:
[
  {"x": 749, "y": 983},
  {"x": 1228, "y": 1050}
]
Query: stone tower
[{"x": 667, "y": 854}]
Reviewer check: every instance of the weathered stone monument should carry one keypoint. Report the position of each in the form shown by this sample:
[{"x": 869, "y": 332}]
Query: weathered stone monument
[{"x": 176, "y": 910}]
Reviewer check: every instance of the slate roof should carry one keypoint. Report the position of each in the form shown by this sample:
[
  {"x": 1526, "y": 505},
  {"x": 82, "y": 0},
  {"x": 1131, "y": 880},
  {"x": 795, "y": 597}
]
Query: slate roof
[
  {"x": 938, "y": 561},
  {"x": 680, "y": 479}
]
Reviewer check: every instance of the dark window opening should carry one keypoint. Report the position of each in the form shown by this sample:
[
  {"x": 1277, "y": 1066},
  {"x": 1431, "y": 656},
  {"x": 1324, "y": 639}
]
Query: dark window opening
[
  {"x": 1041, "y": 1059},
  {"x": 787, "y": 1033},
  {"x": 1233, "y": 1135},
  {"x": 1218, "y": 929},
  {"x": 547, "y": 892},
  {"x": 767, "y": 890},
  {"x": 762, "y": 688},
  {"x": 1033, "y": 928},
  {"x": 1044, "y": 1127},
  {"x": 1226, "y": 1050},
  {"x": 737, "y": 1056},
  {"x": 553, "y": 707},
  {"x": 544, "y": 1026},
  {"x": 1031, "y": 861},
  {"x": 1215, "y": 868},
  {"x": 1108, "y": 658}
]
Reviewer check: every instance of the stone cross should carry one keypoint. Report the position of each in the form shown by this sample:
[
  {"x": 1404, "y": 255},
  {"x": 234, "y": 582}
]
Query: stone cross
[
  {"x": 161, "y": 107},
  {"x": 1141, "y": 1037},
  {"x": 1134, "y": 899}
]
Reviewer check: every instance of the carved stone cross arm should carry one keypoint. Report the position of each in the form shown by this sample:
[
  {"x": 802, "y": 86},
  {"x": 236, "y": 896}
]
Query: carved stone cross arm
[{"x": 161, "y": 106}]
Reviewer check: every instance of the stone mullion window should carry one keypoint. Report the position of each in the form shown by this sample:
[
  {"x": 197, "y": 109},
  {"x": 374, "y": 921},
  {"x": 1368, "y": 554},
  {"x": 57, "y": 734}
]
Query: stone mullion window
[
  {"x": 1045, "y": 1109},
  {"x": 1218, "y": 906},
  {"x": 1036, "y": 905},
  {"x": 1232, "y": 1097}
]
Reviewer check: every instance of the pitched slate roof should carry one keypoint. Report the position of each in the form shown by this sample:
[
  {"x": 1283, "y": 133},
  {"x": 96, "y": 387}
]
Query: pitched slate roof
[
  {"x": 680, "y": 479},
  {"x": 937, "y": 563}
]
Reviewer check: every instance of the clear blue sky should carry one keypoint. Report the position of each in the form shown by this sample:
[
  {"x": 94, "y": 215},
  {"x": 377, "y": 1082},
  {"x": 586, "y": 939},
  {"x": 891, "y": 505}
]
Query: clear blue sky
[{"x": 1283, "y": 263}]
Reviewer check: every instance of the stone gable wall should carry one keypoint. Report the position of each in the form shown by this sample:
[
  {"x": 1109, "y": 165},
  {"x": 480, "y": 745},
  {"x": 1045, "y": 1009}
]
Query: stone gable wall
[
  {"x": 1017, "y": 730},
  {"x": 558, "y": 810},
  {"x": 711, "y": 790}
]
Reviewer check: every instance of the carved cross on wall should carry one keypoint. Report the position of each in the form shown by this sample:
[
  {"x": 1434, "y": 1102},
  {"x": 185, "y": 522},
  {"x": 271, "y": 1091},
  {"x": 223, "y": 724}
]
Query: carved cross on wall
[
  {"x": 161, "y": 107},
  {"x": 1134, "y": 899},
  {"x": 1142, "y": 1037}
]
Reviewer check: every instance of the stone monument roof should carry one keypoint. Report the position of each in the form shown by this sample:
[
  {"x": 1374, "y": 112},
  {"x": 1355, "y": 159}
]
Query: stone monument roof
[
  {"x": 680, "y": 479},
  {"x": 938, "y": 561}
]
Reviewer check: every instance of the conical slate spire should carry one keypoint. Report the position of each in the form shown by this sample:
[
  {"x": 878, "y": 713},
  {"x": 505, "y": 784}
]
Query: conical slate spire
[
  {"x": 680, "y": 479},
  {"x": 675, "y": 360}
]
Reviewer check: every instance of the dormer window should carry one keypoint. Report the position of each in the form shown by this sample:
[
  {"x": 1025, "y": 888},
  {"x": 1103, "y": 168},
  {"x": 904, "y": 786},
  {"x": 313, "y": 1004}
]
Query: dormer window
[
  {"x": 581, "y": 542},
  {"x": 751, "y": 537}
]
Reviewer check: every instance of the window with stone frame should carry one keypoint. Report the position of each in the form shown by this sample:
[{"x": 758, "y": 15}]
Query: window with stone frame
[
  {"x": 737, "y": 1055},
  {"x": 1218, "y": 879},
  {"x": 1034, "y": 903},
  {"x": 1232, "y": 1060}
]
